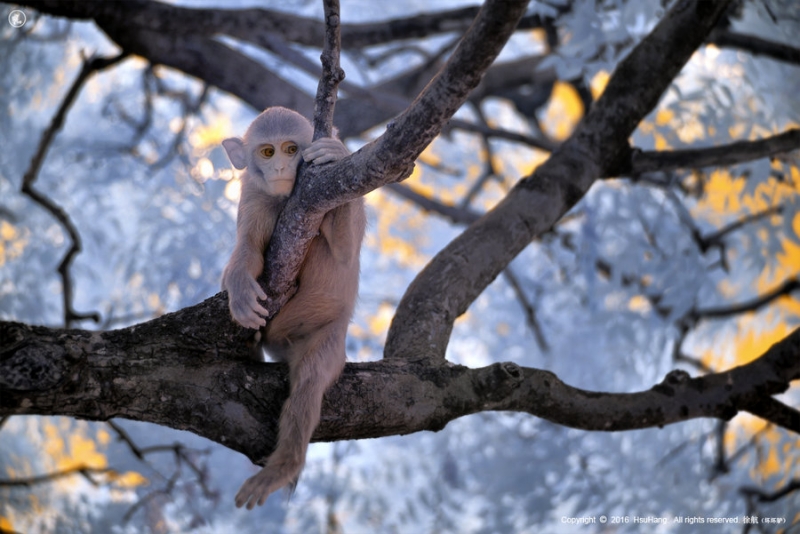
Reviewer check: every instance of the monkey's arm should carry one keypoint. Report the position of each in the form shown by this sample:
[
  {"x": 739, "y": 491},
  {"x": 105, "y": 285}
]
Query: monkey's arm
[
  {"x": 343, "y": 230},
  {"x": 342, "y": 227},
  {"x": 254, "y": 225}
]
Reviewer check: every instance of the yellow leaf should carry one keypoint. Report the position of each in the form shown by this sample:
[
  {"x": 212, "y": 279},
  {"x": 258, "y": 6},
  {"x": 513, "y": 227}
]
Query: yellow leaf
[
  {"x": 84, "y": 452},
  {"x": 205, "y": 136},
  {"x": 598, "y": 83},
  {"x": 661, "y": 142},
  {"x": 379, "y": 323},
  {"x": 722, "y": 193},
  {"x": 664, "y": 116},
  {"x": 563, "y": 111},
  {"x": 639, "y": 303},
  {"x": 131, "y": 479},
  {"x": 103, "y": 437}
]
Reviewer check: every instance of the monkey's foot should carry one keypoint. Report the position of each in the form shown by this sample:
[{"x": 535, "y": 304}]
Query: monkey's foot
[{"x": 258, "y": 487}]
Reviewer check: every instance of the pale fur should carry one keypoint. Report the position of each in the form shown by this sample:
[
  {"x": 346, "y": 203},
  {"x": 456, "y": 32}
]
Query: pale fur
[{"x": 309, "y": 331}]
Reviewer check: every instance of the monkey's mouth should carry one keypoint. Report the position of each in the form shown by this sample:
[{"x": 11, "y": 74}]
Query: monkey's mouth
[{"x": 282, "y": 181}]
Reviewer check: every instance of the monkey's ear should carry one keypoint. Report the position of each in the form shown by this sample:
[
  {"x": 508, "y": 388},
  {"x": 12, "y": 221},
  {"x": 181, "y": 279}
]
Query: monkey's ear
[{"x": 236, "y": 152}]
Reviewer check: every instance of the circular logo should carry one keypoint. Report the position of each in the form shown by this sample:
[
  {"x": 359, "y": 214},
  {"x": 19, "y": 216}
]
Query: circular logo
[{"x": 17, "y": 18}]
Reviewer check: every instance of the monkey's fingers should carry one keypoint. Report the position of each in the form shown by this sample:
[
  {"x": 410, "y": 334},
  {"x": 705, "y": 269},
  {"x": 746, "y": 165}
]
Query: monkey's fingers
[
  {"x": 249, "y": 320},
  {"x": 247, "y": 311},
  {"x": 325, "y": 150},
  {"x": 256, "y": 288}
]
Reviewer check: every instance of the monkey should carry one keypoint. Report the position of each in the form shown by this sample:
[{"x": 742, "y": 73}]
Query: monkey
[{"x": 309, "y": 331}]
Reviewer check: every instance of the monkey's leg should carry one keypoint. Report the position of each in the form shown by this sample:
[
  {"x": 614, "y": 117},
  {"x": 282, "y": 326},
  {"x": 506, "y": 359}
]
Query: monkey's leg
[{"x": 312, "y": 372}]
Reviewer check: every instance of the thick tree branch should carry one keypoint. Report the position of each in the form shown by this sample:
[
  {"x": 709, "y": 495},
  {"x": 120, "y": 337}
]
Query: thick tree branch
[
  {"x": 776, "y": 412},
  {"x": 190, "y": 382},
  {"x": 184, "y": 39},
  {"x": 456, "y": 276},
  {"x": 254, "y": 25}
]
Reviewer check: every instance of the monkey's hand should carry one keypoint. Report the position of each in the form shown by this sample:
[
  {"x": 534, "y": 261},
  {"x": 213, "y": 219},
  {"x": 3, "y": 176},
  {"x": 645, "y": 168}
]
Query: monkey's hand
[
  {"x": 243, "y": 294},
  {"x": 325, "y": 150}
]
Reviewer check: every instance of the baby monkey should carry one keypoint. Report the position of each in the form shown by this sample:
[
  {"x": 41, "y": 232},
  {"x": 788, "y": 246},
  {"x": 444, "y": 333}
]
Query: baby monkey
[{"x": 309, "y": 331}]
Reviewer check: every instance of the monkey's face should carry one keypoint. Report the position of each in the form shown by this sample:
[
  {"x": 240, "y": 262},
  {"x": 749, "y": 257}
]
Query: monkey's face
[
  {"x": 276, "y": 161},
  {"x": 271, "y": 149}
]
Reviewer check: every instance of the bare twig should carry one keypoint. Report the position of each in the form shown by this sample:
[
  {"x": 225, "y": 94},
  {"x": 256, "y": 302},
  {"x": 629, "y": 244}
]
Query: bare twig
[
  {"x": 530, "y": 311},
  {"x": 189, "y": 107},
  {"x": 489, "y": 171},
  {"x": 762, "y": 496},
  {"x": 716, "y": 238},
  {"x": 90, "y": 66},
  {"x": 756, "y": 45},
  {"x": 454, "y": 213},
  {"x": 641, "y": 162},
  {"x": 720, "y": 458},
  {"x": 332, "y": 73},
  {"x": 166, "y": 490},
  {"x": 499, "y": 133},
  {"x": 182, "y": 455},
  {"x": 83, "y": 470},
  {"x": 756, "y": 304}
]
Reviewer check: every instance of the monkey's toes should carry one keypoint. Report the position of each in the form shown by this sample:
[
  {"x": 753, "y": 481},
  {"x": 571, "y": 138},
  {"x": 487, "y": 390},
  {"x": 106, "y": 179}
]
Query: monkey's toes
[{"x": 255, "y": 490}]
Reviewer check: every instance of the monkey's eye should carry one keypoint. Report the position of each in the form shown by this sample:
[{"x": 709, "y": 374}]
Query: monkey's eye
[
  {"x": 268, "y": 151},
  {"x": 291, "y": 149}
]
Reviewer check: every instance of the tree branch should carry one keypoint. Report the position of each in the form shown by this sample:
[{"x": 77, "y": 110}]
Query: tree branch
[
  {"x": 149, "y": 29},
  {"x": 641, "y": 162},
  {"x": 762, "y": 496},
  {"x": 254, "y": 25},
  {"x": 83, "y": 470},
  {"x": 756, "y": 304},
  {"x": 332, "y": 73},
  {"x": 423, "y": 322},
  {"x": 191, "y": 382},
  {"x": 755, "y": 45},
  {"x": 775, "y": 412}
]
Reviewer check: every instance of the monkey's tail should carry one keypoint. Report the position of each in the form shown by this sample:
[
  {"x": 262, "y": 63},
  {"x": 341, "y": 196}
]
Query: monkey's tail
[{"x": 312, "y": 372}]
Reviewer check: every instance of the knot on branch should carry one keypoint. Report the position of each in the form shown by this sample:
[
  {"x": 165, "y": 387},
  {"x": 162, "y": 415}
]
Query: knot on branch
[
  {"x": 677, "y": 379},
  {"x": 337, "y": 76},
  {"x": 32, "y": 367},
  {"x": 498, "y": 381}
]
